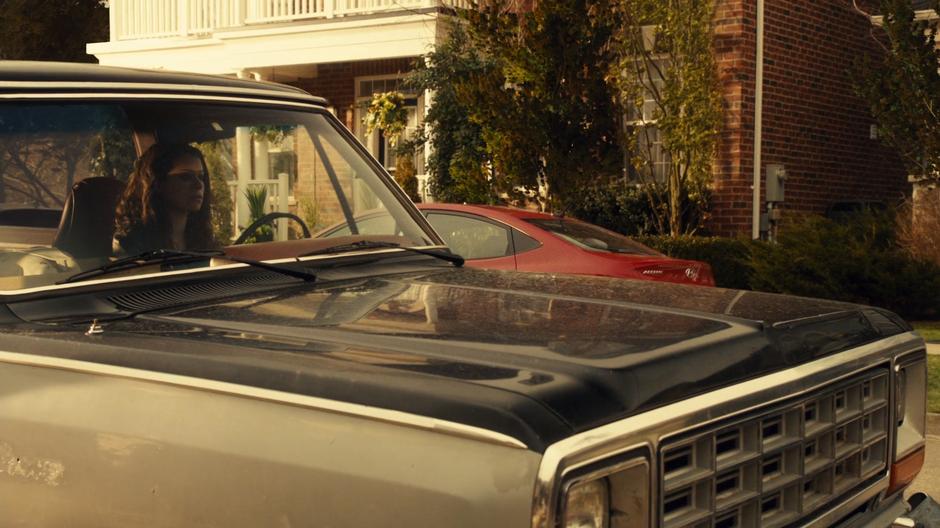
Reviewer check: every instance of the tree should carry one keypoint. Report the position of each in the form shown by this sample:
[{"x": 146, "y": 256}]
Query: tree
[
  {"x": 44, "y": 148},
  {"x": 525, "y": 100},
  {"x": 535, "y": 100},
  {"x": 460, "y": 167},
  {"x": 902, "y": 87},
  {"x": 668, "y": 81},
  {"x": 51, "y": 30},
  {"x": 548, "y": 114}
]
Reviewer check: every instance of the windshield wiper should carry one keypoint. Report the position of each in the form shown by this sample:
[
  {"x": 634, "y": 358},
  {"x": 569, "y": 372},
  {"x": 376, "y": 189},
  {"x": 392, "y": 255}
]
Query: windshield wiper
[
  {"x": 173, "y": 256},
  {"x": 453, "y": 258}
]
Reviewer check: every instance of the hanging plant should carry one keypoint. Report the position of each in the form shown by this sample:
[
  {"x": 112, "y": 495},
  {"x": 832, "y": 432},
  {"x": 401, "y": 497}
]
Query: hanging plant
[{"x": 387, "y": 113}]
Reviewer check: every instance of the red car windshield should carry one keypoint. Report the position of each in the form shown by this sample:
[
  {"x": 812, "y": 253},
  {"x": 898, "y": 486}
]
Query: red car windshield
[{"x": 591, "y": 237}]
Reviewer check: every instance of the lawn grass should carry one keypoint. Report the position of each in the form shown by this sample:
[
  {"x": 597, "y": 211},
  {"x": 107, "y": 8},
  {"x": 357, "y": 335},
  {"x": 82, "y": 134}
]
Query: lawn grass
[
  {"x": 933, "y": 384},
  {"x": 929, "y": 330}
]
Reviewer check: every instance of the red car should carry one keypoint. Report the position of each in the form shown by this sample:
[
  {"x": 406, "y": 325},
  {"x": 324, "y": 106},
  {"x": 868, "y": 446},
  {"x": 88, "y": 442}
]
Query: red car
[{"x": 517, "y": 239}]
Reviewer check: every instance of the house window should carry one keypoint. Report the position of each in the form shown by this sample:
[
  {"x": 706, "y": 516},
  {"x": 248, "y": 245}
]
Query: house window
[
  {"x": 376, "y": 142},
  {"x": 649, "y": 147},
  {"x": 282, "y": 159},
  {"x": 643, "y": 119}
]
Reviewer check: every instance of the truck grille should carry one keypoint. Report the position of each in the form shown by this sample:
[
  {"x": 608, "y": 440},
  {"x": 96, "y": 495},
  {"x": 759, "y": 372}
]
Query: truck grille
[{"x": 781, "y": 464}]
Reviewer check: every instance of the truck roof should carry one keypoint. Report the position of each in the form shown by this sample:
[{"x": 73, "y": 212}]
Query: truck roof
[{"x": 45, "y": 76}]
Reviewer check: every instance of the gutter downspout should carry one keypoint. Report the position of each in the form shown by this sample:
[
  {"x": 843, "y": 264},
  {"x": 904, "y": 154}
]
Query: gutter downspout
[{"x": 758, "y": 119}]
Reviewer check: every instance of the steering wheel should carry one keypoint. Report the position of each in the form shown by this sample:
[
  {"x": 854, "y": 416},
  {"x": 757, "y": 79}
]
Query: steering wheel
[{"x": 268, "y": 219}]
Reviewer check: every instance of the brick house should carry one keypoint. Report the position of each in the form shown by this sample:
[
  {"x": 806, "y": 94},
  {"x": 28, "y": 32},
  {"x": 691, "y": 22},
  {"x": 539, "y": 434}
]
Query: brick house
[{"x": 811, "y": 124}]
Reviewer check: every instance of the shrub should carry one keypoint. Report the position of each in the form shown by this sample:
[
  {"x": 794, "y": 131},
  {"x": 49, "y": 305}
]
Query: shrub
[
  {"x": 616, "y": 206},
  {"x": 729, "y": 258},
  {"x": 856, "y": 259},
  {"x": 633, "y": 209}
]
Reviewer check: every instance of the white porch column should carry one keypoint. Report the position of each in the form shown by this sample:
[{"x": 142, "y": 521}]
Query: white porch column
[
  {"x": 283, "y": 192},
  {"x": 428, "y": 149},
  {"x": 113, "y": 20},
  {"x": 262, "y": 159},
  {"x": 243, "y": 161},
  {"x": 182, "y": 11}
]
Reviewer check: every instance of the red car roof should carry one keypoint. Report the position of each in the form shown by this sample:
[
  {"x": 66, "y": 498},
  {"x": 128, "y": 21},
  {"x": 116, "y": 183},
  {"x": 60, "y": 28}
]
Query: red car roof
[{"x": 487, "y": 210}]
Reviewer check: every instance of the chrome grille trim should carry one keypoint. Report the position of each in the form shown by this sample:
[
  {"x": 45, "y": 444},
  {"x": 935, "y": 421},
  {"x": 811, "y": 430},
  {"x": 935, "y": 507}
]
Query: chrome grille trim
[
  {"x": 785, "y": 462},
  {"x": 645, "y": 431}
]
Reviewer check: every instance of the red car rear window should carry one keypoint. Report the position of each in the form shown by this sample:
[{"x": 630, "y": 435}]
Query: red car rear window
[{"x": 590, "y": 236}]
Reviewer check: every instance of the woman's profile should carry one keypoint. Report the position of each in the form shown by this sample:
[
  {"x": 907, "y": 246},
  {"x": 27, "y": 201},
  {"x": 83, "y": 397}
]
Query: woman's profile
[{"x": 166, "y": 204}]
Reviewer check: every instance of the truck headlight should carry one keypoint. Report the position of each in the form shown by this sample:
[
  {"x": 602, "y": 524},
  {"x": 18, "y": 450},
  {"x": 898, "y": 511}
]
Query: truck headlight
[
  {"x": 587, "y": 505},
  {"x": 911, "y": 414},
  {"x": 617, "y": 496}
]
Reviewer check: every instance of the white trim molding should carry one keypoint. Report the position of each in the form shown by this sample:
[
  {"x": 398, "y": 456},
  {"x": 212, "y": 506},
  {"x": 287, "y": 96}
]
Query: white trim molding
[{"x": 395, "y": 35}]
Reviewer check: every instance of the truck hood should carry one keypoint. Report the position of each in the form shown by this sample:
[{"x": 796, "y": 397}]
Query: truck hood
[{"x": 537, "y": 357}]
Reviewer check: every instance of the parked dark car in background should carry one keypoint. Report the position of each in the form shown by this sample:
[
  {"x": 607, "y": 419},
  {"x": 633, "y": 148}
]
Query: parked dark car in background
[{"x": 367, "y": 379}]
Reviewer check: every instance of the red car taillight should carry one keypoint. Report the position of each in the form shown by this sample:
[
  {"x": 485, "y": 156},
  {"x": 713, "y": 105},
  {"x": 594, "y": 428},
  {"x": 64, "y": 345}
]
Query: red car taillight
[{"x": 681, "y": 271}]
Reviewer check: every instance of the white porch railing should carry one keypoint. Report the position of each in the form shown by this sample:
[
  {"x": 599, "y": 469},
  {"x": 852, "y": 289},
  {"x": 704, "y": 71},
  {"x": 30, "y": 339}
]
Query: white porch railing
[{"x": 146, "y": 19}]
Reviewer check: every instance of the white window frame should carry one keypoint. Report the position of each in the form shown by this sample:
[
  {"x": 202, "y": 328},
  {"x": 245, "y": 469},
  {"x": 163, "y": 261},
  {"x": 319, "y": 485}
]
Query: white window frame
[{"x": 644, "y": 121}]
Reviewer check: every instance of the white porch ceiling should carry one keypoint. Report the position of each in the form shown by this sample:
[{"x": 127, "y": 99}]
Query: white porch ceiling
[{"x": 287, "y": 50}]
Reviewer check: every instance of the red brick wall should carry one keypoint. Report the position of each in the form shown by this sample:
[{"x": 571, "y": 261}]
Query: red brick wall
[
  {"x": 812, "y": 122},
  {"x": 336, "y": 82},
  {"x": 735, "y": 22}
]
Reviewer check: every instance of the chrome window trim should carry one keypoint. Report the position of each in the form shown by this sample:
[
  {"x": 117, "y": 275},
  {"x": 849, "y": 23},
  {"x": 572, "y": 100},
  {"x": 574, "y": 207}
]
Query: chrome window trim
[
  {"x": 268, "y": 395},
  {"x": 194, "y": 89},
  {"x": 51, "y": 96},
  {"x": 649, "y": 429}
]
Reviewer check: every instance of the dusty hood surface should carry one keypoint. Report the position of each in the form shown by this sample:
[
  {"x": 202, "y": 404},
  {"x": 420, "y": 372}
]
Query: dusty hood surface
[{"x": 537, "y": 357}]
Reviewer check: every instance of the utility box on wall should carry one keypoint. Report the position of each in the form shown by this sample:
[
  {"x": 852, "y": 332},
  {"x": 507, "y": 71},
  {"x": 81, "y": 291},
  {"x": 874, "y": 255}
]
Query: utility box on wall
[{"x": 776, "y": 177}]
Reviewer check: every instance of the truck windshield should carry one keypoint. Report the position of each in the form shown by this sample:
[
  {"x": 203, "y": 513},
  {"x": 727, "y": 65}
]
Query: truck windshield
[{"x": 81, "y": 184}]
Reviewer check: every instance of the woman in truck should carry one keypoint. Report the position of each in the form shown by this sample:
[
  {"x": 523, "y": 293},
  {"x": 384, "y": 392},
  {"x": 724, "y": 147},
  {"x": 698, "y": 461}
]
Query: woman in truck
[{"x": 166, "y": 204}]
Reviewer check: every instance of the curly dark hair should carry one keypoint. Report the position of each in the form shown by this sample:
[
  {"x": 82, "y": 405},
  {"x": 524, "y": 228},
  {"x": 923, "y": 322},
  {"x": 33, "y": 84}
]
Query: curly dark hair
[{"x": 140, "y": 218}]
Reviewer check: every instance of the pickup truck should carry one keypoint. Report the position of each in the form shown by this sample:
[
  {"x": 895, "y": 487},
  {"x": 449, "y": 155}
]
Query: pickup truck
[{"x": 282, "y": 379}]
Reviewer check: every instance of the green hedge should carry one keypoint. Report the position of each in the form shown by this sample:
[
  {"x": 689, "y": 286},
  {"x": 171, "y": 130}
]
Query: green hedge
[
  {"x": 616, "y": 206},
  {"x": 627, "y": 209},
  {"x": 856, "y": 259}
]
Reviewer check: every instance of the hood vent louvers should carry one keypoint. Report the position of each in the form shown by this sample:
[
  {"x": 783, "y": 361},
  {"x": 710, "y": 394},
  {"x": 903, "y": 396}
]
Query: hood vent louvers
[{"x": 159, "y": 298}]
